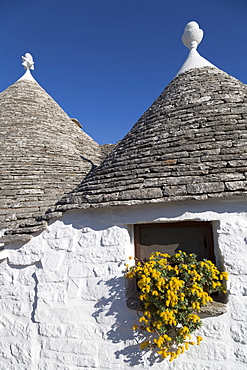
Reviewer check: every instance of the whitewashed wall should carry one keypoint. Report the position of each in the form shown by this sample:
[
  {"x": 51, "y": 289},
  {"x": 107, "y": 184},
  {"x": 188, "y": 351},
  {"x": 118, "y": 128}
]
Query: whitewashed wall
[{"x": 62, "y": 303}]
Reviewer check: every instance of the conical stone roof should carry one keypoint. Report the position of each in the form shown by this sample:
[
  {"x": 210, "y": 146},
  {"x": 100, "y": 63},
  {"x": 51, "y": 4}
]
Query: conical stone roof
[
  {"x": 43, "y": 155},
  {"x": 190, "y": 144}
]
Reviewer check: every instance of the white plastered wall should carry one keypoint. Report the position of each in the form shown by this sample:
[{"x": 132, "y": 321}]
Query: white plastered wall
[{"x": 62, "y": 300}]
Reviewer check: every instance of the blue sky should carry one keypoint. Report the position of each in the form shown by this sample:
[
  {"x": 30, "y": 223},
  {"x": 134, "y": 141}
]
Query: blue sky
[{"x": 106, "y": 61}]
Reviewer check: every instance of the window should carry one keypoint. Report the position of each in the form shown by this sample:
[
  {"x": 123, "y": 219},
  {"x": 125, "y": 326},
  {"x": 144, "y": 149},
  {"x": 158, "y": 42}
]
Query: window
[{"x": 190, "y": 237}]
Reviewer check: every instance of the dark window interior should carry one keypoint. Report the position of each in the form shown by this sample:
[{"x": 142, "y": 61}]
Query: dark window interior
[{"x": 190, "y": 237}]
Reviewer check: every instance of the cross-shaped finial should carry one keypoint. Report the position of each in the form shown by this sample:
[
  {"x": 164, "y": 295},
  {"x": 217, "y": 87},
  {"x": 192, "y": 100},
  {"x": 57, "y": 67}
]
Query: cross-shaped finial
[{"x": 27, "y": 61}]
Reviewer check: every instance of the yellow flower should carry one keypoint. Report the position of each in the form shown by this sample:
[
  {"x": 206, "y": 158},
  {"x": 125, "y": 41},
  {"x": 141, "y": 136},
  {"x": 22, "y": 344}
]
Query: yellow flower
[
  {"x": 154, "y": 292},
  {"x": 144, "y": 344},
  {"x": 157, "y": 324},
  {"x": 163, "y": 353},
  {"x": 143, "y": 297},
  {"x": 167, "y": 338},
  {"x": 130, "y": 274},
  {"x": 184, "y": 331},
  {"x": 225, "y": 275},
  {"x": 147, "y": 314},
  {"x": 178, "y": 351},
  {"x": 143, "y": 319}
]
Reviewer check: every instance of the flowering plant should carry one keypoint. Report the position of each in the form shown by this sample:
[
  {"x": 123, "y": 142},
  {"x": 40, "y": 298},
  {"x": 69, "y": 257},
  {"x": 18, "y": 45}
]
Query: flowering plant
[{"x": 173, "y": 288}]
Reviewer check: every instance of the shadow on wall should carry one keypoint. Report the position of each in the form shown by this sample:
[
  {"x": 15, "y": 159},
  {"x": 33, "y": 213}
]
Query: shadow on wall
[{"x": 121, "y": 330}]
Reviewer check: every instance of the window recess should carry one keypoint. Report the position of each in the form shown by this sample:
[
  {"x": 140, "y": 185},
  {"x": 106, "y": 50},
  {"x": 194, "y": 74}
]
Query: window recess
[{"x": 190, "y": 237}]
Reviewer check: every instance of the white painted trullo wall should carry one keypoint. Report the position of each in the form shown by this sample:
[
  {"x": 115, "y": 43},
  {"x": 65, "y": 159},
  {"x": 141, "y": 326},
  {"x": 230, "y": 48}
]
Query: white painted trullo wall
[{"x": 63, "y": 293}]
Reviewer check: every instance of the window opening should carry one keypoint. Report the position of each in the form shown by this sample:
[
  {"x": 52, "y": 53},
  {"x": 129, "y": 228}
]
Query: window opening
[{"x": 190, "y": 237}]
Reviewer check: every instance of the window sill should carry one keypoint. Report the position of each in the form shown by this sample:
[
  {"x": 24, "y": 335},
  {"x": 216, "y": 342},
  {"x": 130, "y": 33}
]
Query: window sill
[{"x": 212, "y": 309}]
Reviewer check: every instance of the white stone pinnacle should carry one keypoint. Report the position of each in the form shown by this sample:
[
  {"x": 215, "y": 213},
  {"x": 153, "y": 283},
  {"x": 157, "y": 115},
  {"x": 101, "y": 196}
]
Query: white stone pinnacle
[
  {"x": 28, "y": 63},
  {"x": 192, "y": 35},
  {"x": 191, "y": 38}
]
